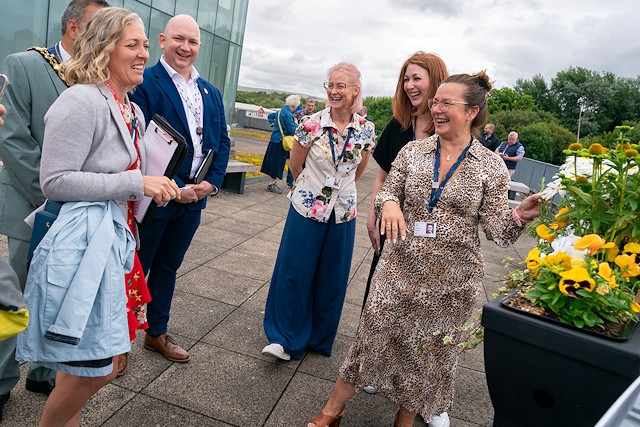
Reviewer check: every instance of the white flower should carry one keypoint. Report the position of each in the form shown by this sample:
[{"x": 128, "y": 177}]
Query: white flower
[{"x": 565, "y": 244}]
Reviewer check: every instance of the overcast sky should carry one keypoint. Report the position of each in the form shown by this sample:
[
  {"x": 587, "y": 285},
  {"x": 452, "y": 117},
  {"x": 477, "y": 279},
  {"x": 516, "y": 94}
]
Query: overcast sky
[{"x": 289, "y": 45}]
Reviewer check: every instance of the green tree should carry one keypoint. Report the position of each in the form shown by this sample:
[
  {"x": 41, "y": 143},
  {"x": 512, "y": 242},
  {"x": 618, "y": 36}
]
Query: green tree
[
  {"x": 506, "y": 99},
  {"x": 379, "y": 111},
  {"x": 538, "y": 90}
]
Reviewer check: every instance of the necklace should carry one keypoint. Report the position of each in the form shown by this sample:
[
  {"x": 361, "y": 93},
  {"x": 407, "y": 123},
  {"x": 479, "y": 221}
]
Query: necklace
[{"x": 449, "y": 157}]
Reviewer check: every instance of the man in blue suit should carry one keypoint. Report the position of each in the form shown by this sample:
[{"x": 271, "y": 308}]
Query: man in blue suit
[{"x": 193, "y": 106}]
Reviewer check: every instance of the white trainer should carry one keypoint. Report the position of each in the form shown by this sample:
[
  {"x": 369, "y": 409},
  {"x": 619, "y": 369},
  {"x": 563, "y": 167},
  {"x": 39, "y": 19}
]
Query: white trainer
[
  {"x": 441, "y": 420},
  {"x": 276, "y": 350}
]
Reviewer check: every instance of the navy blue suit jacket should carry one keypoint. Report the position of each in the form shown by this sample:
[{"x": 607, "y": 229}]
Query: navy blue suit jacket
[{"x": 158, "y": 95}]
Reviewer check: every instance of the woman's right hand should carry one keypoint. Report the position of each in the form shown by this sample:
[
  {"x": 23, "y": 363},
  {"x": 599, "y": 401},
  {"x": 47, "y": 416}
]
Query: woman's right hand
[
  {"x": 392, "y": 223},
  {"x": 161, "y": 188}
]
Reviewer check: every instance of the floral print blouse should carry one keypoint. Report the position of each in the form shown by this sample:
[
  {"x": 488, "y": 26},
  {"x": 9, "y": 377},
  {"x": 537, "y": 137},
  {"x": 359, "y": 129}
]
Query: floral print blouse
[{"x": 329, "y": 165}]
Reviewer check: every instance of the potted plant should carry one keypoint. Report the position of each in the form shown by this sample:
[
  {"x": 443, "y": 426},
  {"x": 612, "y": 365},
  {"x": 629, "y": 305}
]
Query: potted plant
[{"x": 565, "y": 365}]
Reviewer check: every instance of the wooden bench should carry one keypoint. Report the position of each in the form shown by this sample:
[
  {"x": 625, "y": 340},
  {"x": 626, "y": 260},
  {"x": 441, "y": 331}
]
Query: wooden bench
[{"x": 236, "y": 174}]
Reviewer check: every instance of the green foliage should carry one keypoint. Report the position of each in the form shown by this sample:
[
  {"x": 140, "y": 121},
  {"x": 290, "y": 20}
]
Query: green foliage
[
  {"x": 506, "y": 99},
  {"x": 270, "y": 100},
  {"x": 379, "y": 111},
  {"x": 550, "y": 141}
]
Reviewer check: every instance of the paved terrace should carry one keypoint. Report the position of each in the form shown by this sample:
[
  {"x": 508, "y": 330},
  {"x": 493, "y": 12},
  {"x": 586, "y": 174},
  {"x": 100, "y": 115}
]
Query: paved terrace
[{"x": 217, "y": 315}]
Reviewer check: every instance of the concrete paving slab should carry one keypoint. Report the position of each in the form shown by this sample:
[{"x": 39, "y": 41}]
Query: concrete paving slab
[{"x": 217, "y": 315}]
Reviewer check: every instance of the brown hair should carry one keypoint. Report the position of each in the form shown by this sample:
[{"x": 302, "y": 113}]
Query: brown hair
[
  {"x": 478, "y": 87},
  {"x": 403, "y": 111}
]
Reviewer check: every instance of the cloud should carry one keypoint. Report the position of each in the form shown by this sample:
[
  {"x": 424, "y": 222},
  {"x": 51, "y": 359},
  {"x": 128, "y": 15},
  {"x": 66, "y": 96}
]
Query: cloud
[{"x": 289, "y": 46}]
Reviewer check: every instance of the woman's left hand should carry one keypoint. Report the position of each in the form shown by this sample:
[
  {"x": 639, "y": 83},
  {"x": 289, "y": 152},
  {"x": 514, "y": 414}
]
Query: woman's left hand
[
  {"x": 528, "y": 209},
  {"x": 392, "y": 223}
]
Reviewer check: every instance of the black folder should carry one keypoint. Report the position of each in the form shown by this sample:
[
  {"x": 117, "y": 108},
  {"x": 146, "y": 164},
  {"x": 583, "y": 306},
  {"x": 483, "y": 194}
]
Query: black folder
[
  {"x": 204, "y": 167},
  {"x": 165, "y": 151}
]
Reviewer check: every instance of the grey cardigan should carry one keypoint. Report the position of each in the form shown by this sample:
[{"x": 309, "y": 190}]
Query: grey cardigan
[{"x": 87, "y": 149}]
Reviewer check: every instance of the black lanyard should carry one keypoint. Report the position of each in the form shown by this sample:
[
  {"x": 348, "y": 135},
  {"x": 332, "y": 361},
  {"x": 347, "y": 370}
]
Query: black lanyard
[
  {"x": 344, "y": 149},
  {"x": 436, "y": 190}
]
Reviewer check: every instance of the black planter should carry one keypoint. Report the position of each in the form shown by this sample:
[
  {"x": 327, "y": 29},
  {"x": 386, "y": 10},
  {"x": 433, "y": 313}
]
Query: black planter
[{"x": 543, "y": 374}]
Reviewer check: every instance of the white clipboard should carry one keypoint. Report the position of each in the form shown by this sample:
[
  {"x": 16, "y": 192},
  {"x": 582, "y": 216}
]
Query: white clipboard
[{"x": 165, "y": 150}]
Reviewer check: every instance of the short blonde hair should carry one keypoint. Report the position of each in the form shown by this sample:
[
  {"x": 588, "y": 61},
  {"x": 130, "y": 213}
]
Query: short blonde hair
[
  {"x": 355, "y": 79},
  {"x": 94, "y": 45}
]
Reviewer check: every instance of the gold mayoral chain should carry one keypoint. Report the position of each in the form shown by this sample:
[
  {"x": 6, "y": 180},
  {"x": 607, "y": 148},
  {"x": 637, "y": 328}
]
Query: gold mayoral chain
[{"x": 57, "y": 67}]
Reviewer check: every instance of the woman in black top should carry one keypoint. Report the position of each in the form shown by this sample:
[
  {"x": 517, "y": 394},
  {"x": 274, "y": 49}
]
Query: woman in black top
[{"x": 420, "y": 76}]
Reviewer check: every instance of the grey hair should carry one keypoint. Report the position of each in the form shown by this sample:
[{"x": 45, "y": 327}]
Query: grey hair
[{"x": 292, "y": 100}]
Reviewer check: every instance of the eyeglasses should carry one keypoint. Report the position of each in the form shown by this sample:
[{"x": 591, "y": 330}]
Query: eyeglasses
[
  {"x": 444, "y": 105},
  {"x": 337, "y": 86}
]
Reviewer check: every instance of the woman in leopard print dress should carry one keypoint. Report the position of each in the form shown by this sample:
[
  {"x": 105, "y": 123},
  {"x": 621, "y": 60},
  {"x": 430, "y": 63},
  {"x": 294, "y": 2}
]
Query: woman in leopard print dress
[{"x": 427, "y": 282}]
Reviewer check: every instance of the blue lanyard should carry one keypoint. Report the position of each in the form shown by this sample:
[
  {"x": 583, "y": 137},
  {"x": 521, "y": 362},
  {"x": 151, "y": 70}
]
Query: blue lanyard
[
  {"x": 344, "y": 149},
  {"x": 437, "y": 191}
]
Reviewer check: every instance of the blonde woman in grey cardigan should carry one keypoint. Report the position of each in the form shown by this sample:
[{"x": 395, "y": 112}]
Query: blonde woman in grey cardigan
[{"x": 89, "y": 155}]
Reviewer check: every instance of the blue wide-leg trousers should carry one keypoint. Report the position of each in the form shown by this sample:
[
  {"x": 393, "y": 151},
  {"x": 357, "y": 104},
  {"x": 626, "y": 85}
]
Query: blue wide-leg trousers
[{"x": 308, "y": 284}]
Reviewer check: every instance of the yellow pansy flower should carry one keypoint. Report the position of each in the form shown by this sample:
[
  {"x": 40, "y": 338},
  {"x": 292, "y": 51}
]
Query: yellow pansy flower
[
  {"x": 533, "y": 261},
  {"x": 545, "y": 233},
  {"x": 574, "y": 279},
  {"x": 632, "y": 247},
  {"x": 606, "y": 273},
  {"x": 628, "y": 266},
  {"x": 558, "y": 262}
]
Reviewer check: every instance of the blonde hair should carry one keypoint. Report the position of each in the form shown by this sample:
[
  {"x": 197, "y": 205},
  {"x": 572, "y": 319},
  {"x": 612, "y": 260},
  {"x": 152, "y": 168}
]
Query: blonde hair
[
  {"x": 354, "y": 75},
  {"x": 94, "y": 45}
]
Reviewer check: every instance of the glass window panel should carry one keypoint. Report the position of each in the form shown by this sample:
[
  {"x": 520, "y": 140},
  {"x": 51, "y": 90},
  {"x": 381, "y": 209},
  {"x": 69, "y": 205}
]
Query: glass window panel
[
  {"x": 54, "y": 30},
  {"x": 167, "y": 6},
  {"x": 207, "y": 14},
  {"x": 158, "y": 22},
  {"x": 231, "y": 79},
  {"x": 224, "y": 20},
  {"x": 219, "y": 63},
  {"x": 203, "y": 63},
  {"x": 187, "y": 7},
  {"x": 23, "y": 24},
  {"x": 239, "y": 21},
  {"x": 142, "y": 10},
  {"x": 147, "y": 2}
]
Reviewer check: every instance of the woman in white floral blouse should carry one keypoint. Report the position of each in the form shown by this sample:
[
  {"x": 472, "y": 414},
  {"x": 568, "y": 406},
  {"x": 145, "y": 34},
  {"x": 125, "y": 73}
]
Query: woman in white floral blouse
[{"x": 310, "y": 276}]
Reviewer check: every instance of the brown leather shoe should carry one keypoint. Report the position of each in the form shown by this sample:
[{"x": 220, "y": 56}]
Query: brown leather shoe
[
  {"x": 123, "y": 361},
  {"x": 166, "y": 346}
]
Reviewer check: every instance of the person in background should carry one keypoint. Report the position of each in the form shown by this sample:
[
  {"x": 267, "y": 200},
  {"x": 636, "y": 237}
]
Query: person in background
[
  {"x": 91, "y": 155},
  {"x": 309, "y": 107},
  {"x": 193, "y": 106},
  {"x": 310, "y": 276},
  {"x": 489, "y": 138},
  {"x": 427, "y": 283},
  {"x": 36, "y": 80},
  {"x": 275, "y": 157},
  {"x": 299, "y": 114},
  {"x": 511, "y": 151},
  {"x": 363, "y": 112}
]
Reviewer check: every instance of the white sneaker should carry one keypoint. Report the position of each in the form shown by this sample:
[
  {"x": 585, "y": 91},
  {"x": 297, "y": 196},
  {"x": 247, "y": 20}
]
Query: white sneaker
[
  {"x": 370, "y": 389},
  {"x": 276, "y": 350},
  {"x": 441, "y": 420}
]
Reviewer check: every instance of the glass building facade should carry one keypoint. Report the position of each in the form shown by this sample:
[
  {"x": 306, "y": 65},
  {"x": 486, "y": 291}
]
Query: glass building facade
[{"x": 26, "y": 23}]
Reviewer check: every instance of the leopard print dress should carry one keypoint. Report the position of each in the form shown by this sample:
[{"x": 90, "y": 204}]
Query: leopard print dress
[{"x": 423, "y": 284}]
